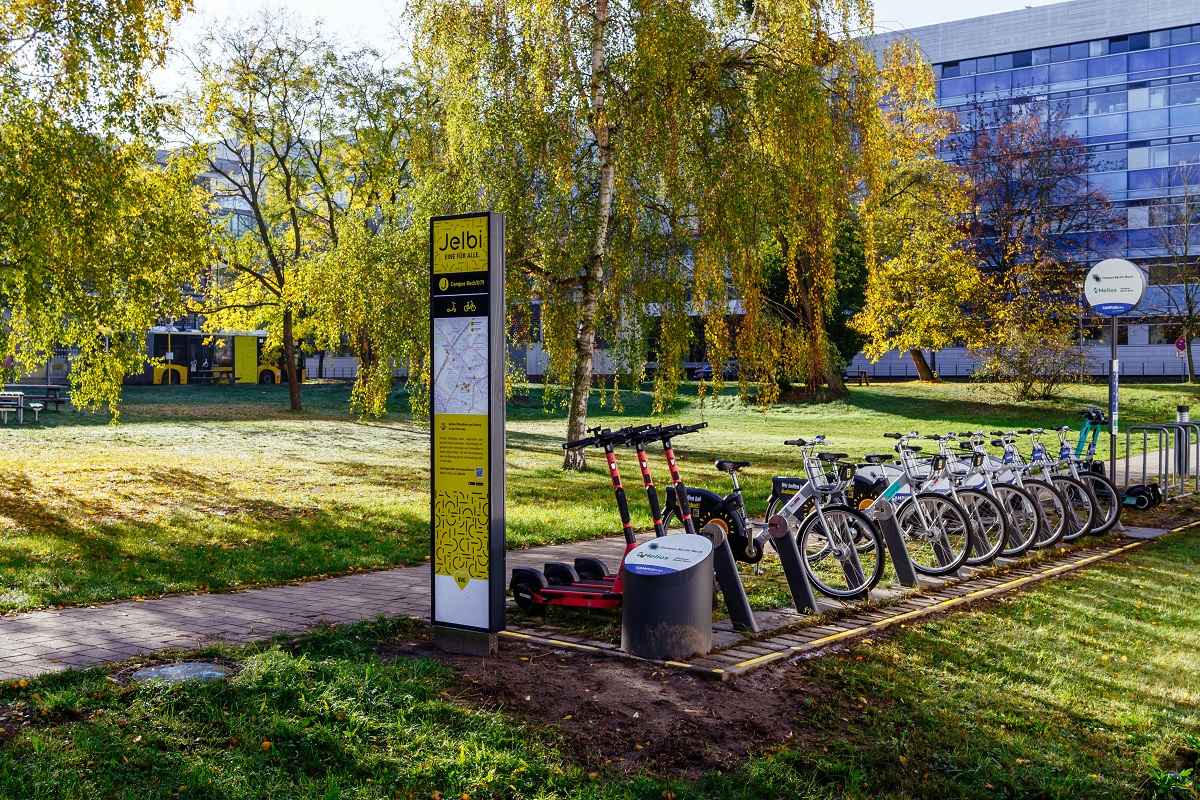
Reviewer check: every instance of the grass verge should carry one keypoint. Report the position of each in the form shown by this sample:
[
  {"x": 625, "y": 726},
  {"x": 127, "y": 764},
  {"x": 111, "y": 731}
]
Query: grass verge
[{"x": 1083, "y": 687}]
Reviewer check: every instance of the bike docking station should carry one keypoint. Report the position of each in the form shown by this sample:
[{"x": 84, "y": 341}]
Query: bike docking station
[
  {"x": 953, "y": 525},
  {"x": 467, "y": 420}
]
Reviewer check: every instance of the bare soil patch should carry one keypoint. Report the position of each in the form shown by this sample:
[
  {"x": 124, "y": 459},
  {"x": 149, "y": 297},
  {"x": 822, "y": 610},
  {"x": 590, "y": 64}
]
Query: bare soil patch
[{"x": 609, "y": 713}]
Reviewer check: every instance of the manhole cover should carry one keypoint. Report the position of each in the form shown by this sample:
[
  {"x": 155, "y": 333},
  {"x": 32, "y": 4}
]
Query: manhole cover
[{"x": 186, "y": 671}]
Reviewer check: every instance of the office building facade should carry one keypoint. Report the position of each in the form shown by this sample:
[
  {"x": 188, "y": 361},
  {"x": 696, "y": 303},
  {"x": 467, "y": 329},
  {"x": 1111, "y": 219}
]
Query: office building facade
[{"x": 1124, "y": 78}]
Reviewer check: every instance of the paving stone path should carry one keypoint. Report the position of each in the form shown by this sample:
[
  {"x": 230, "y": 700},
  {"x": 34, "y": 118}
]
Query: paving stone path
[{"x": 41, "y": 642}]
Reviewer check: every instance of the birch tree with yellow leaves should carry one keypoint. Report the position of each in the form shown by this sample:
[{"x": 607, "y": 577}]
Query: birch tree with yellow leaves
[{"x": 924, "y": 282}]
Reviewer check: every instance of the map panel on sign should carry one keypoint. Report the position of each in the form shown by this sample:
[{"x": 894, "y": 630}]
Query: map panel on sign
[{"x": 460, "y": 365}]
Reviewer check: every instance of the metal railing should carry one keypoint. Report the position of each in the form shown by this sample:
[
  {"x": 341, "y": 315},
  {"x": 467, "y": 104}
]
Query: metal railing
[{"x": 1171, "y": 462}]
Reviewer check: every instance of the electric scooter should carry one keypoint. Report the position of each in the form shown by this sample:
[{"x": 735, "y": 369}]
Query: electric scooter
[{"x": 563, "y": 584}]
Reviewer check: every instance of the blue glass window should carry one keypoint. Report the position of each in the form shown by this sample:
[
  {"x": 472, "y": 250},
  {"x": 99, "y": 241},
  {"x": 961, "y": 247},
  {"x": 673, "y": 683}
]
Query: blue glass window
[
  {"x": 1041, "y": 56},
  {"x": 1185, "y": 152},
  {"x": 994, "y": 82},
  {"x": 1069, "y": 71},
  {"x": 966, "y": 66},
  {"x": 1074, "y": 128},
  {"x": 1181, "y": 35},
  {"x": 1139, "y": 41},
  {"x": 987, "y": 64},
  {"x": 1024, "y": 58},
  {"x": 1060, "y": 53},
  {"x": 1110, "y": 161},
  {"x": 1142, "y": 239},
  {"x": 1109, "y": 123},
  {"x": 1004, "y": 62},
  {"x": 1100, "y": 67},
  {"x": 1030, "y": 76},
  {"x": 1185, "y": 115},
  {"x": 1148, "y": 120},
  {"x": 1160, "y": 38},
  {"x": 956, "y": 87},
  {"x": 1146, "y": 178},
  {"x": 950, "y": 70},
  {"x": 1118, "y": 44},
  {"x": 1183, "y": 93},
  {"x": 1110, "y": 103},
  {"x": 1189, "y": 54},
  {"x": 1149, "y": 59}
]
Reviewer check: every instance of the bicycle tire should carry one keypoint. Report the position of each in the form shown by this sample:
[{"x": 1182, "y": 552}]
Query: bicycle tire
[
  {"x": 1052, "y": 509},
  {"x": 989, "y": 522},
  {"x": 1025, "y": 521},
  {"x": 952, "y": 530},
  {"x": 821, "y": 562},
  {"x": 1108, "y": 500},
  {"x": 1081, "y": 506}
]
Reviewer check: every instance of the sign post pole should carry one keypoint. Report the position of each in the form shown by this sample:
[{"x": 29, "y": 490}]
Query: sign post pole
[
  {"x": 467, "y": 416},
  {"x": 1114, "y": 287},
  {"x": 1113, "y": 388}
]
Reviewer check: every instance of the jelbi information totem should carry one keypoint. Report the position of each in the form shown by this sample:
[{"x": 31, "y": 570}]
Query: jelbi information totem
[{"x": 466, "y": 260}]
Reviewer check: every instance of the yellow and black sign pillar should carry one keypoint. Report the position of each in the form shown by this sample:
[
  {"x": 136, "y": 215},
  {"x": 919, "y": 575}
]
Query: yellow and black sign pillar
[{"x": 466, "y": 282}]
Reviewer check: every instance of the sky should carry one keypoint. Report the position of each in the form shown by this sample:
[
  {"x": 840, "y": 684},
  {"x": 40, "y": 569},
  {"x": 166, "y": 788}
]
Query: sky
[{"x": 370, "y": 20}]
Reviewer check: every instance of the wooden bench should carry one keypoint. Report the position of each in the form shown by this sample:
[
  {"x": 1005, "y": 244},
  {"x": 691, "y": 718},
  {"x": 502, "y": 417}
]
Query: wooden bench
[
  {"x": 11, "y": 402},
  {"x": 47, "y": 395},
  {"x": 859, "y": 375}
]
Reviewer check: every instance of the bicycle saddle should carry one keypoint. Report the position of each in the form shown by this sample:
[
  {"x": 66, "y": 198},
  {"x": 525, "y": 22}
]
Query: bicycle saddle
[
  {"x": 831, "y": 457},
  {"x": 877, "y": 458},
  {"x": 912, "y": 448},
  {"x": 730, "y": 466}
]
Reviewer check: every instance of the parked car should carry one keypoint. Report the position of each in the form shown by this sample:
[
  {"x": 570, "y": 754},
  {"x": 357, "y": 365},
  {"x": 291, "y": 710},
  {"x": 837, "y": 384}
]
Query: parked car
[{"x": 704, "y": 371}]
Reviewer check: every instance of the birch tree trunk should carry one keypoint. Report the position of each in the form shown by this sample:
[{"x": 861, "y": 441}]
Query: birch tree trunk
[{"x": 593, "y": 279}]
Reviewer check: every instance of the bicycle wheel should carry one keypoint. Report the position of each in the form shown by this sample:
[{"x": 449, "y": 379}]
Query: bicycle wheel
[
  {"x": 1081, "y": 508},
  {"x": 833, "y": 558},
  {"x": 936, "y": 533},
  {"x": 1108, "y": 501},
  {"x": 1025, "y": 524},
  {"x": 1053, "y": 511},
  {"x": 989, "y": 525}
]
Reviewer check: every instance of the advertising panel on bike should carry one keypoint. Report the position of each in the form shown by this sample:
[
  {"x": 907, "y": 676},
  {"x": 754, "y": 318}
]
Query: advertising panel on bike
[{"x": 466, "y": 261}]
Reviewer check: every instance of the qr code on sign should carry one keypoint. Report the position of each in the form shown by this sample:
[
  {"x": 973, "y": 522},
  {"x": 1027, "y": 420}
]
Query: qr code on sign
[{"x": 479, "y": 472}]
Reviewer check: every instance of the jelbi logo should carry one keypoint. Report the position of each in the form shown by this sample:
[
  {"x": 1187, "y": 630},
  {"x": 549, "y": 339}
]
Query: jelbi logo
[
  {"x": 462, "y": 241},
  {"x": 443, "y": 284}
]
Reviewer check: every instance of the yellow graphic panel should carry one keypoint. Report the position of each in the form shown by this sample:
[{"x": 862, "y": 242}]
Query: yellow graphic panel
[
  {"x": 461, "y": 511},
  {"x": 460, "y": 245}
]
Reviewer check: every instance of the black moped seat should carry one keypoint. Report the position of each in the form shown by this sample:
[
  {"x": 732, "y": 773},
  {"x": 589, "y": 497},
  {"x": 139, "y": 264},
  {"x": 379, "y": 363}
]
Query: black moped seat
[
  {"x": 730, "y": 466},
  {"x": 877, "y": 458}
]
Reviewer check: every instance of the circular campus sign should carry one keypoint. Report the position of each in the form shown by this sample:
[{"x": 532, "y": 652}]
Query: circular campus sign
[
  {"x": 668, "y": 554},
  {"x": 1114, "y": 286}
]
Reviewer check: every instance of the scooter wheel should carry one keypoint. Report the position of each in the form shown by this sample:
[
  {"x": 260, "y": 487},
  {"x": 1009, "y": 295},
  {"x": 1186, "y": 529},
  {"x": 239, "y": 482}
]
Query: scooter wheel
[
  {"x": 525, "y": 585},
  {"x": 1143, "y": 502}
]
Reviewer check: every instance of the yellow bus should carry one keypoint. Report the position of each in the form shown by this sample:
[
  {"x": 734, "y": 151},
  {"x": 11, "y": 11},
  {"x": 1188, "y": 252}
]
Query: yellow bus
[{"x": 197, "y": 357}]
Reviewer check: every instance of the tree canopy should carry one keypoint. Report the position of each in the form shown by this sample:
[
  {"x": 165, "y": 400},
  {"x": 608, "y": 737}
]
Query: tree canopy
[{"x": 97, "y": 238}]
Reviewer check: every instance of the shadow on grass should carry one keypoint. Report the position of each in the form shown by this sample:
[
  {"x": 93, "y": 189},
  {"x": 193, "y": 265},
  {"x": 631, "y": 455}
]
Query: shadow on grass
[{"x": 221, "y": 542}]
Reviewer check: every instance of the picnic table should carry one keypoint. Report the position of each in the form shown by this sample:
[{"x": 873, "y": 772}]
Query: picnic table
[
  {"x": 48, "y": 394},
  {"x": 859, "y": 375},
  {"x": 213, "y": 375}
]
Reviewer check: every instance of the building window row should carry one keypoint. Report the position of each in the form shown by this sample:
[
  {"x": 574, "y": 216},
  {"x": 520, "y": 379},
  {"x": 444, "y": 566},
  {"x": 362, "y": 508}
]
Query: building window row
[{"x": 1132, "y": 44}]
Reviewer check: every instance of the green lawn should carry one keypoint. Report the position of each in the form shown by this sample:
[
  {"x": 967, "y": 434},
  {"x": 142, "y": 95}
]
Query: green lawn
[
  {"x": 215, "y": 488},
  {"x": 1082, "y": 688}
]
